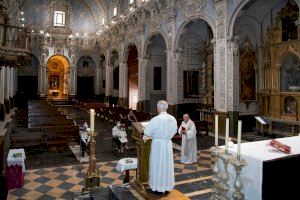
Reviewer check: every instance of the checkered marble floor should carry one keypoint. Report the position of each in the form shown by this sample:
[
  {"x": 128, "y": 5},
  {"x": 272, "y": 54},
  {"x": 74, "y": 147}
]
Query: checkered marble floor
[{"x": 62, "y": 182}]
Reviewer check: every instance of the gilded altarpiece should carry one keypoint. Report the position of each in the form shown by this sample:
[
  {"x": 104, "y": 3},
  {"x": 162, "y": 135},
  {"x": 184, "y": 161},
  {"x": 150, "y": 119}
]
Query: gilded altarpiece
[
  {"x": 280, "y": 96},
  {"x": 57, "y": 79}
]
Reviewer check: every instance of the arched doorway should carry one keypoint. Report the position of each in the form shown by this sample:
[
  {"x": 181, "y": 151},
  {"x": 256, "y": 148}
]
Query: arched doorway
[
  {"x": 132, "y": 64},
  {"x": 156, "y": 72},
  {"x": 85, "y": 77},
  {"x": 195, "y": 70},
  {"x": 28, "y": 78},
  {"x": 58, "y": 75}
]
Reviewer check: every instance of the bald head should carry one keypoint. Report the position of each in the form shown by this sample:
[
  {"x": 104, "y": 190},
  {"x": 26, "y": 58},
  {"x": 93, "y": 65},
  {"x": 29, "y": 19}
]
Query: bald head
[
  {"x": 162, "y": 106},
  {"x": 186, "y": 118}
]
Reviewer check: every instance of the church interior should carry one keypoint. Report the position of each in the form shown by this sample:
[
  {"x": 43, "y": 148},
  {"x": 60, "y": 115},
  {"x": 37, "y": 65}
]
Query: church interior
[{"x": 81, "y": 82}]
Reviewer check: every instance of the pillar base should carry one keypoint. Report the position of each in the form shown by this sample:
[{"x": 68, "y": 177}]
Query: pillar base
[
  {"x": 43, "y": 96},
  {"x": 11, "y": 101},
  {"x": 222, "y": 122},
  {"x": 123, "y": 102},
  {"x": 72, "y": 96},
  {"x": 172, "y": 110},
  {"x": 233, "y": 123},
  {"x": 111, "y": 100},
  {"x": 7, "y": 106},
  {"x": 2, "y": 112},
  {"x": 100, "y": 97},
  {"x": 106, "y": 99},
  {"x": 143, "y": 106}
]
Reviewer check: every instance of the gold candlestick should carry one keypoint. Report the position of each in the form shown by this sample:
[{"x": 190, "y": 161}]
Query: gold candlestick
[{"x": 93, "y": 174}]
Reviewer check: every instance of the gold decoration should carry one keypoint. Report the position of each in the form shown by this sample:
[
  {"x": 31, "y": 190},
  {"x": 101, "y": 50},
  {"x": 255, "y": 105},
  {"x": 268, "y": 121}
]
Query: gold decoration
[
  {"x": 275, "y": 50},
  {"x": 140, "y": 184},
  {"x": 93, "y": 174}
]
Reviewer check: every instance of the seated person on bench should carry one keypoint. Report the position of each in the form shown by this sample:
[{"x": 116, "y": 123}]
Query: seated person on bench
[
  {"x": 119, "y": 136},
  {"x": 85, "y": 138}
]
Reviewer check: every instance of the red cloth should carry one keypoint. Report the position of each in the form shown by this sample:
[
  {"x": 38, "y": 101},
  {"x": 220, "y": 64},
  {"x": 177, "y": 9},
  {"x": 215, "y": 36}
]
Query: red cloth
[
  {"x": 281, "y": 147},
  {"x": 15, "y": 177}
]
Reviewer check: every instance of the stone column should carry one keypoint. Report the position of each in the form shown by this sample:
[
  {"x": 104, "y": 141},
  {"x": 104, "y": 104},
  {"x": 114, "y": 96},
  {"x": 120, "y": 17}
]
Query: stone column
[
  {"x": 7, "y": 89},
  {"x": 72, "y": 82},
  {"x": 15, "y": 82},
  {"x": 233, "y": 89},
  {"x": 97, "y": 81},
  {"x": 43, "y": 81},
  {"x": 226, "y": 71},
  {"x": 2, "y": 110},
  {"x": 123, "y": 84},
  {"x": 172, "y": 72},
  {"x": 221, "y": 66},
  {"x": 172, "y": 81},
  {"x": 11, "y": 88},
  {"x": 107, "y": 82},
  {"x": 75, "y": 80},
  {"x": 101, "y": 72},
  {"x": 144, "y": 97}
]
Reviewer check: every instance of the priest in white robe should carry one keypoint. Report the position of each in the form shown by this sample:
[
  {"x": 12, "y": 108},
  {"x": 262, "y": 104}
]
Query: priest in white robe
[
  {"x": 188, "y": 132},
  {"x": 161, "y": 130}
]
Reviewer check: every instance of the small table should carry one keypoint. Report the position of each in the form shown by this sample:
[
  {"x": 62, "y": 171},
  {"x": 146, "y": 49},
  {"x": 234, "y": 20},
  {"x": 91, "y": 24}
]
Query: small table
[
  {"x": 125, "y": 166},
  {"x": 15, "y": 168}
]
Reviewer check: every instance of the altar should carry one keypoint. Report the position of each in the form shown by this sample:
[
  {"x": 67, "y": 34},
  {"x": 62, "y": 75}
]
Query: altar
[{"x": 268, "y": 173}]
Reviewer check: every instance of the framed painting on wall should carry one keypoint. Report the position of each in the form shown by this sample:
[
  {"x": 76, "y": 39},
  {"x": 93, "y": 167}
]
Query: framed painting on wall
[
  {"x": 248, "y": 67},
  {"x": 54, "y": 82}
]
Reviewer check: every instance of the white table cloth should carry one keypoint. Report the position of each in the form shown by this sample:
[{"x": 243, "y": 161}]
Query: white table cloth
[
  {"x": 11, "y": 160},
  {"x": 255, "y": 153},
  {"x": 122, "y": 165}
]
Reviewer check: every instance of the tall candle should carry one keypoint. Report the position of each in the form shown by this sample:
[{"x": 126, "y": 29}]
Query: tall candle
[
  {"x": 227, "y": 134},
  {"x": 239, "y": 138},
  {"x": 92, "y": 118},
  {"x": 216, "y": 130}
]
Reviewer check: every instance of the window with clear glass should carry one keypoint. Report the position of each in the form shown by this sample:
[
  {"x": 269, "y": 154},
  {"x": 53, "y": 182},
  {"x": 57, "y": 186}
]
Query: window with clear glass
[
  {"x": 115, "y": 11},
  {"x": 59, "y": 18}
]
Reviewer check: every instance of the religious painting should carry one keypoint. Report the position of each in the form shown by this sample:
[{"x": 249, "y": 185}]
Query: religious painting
[
  {"x": 289, "y": 16},
  {"x": 290, "y": 105},
  {"x": 54, "y": 82},
  {"x": 248, "y": 67},
  {"x": 190, "y": 82},
  {"x": 290, "y": 74}
]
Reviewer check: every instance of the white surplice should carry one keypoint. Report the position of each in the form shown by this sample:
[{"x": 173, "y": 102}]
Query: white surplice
[
  {"x": 161, "y": 129},
  {"x": 188, "y": 143}
]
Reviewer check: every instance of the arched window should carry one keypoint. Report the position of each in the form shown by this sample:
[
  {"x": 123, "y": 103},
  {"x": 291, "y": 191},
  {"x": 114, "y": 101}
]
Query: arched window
[
  {"x": 59, "y": 18},
  {"x": 115, "y": 11}
]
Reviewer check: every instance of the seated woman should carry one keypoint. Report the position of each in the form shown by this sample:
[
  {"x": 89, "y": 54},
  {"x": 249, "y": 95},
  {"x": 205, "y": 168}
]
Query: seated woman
[
  {"x": 84, "y": 137},
  {"x": 119, "y": 136},
  {"x": 131, "y": 116}
]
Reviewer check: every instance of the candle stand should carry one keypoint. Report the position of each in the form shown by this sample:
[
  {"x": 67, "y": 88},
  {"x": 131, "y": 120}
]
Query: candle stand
[
  {"x": 238, "y": 183},
  {"x": 224, "y": 186},
  {"x": 93, "y": 174},
  {"x": 216, "y": 178}
]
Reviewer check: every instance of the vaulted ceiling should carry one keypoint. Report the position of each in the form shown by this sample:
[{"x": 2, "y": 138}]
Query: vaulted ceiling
[{"x": 87, "y": 14}]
